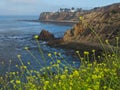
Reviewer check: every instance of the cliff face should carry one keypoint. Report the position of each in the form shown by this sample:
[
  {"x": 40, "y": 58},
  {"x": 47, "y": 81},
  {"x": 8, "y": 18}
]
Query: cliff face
[
  {"x": 103, "y": 23},
  {"x": 73, "y": 16}
]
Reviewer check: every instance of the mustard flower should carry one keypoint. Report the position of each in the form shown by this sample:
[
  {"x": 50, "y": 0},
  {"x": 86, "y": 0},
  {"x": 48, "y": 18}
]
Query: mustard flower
[
  {"x": 70, "y": 88},
  {"x": 55, "y": 53},
  {"x": 97, "y": 69},
  {"x": 23, "y": 67},
  {"x": 104, "y": 87},
  {"x": 46, "y": 82},
  {"x": 16, "y": 65},
  {"x": 59, "y": 54},
  {"x": 59, "y": 83},
  {"x": 58, "y": 61},
  {"x": 71, "y": 76},
  {"x": 75, "y": 73},
  {"x": 36, "y": 36},
  {"x": 113, "y": 55},
  {"x": 54, "y": 85},
  {"x": 26, "y": 48},
  {"x": 86, "y": 53},
  {"x": 56, "y": 77},
  {"x": 80, "y": 17},
  {"x": 89, "y": 89},
  {"x": 17, "y": 81},
  {"x": 13, "y": 73},
  {"x": 12, "y": 81},
  {"x": 93, "y": 50},
  {"x": 84, "y": 70},
  {"x": 107, "y": 41},
  {"x": 66, "y": 71},
  {"x": 77, "y": 52},
  {"x": 63, "y": 77},
  {"x": 19, "y": 56},
  {"x": 71, "y": 83},
  {"x": 48, "y": 68},
  {"x": 94, "y": 76},
  {"x": 28, "y": 63},
  {"x": 49, "y": 54}
]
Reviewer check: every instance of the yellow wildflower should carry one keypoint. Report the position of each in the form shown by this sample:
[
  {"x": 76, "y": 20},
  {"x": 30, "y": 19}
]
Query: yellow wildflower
[
  {"x": 58, "y": 61},
  {"x": 48, "y": 68},
  {"x": 46, "y": 82},
  {"x": 54, "y": 85},
  {"x": 49, "y": 54},
  {"x": 93, "y": 50},
  {"x": 13, "y": 73},
  {"x": 107, "y": 41},
  {"x": 55, "y": 53},
  {"x": 104, "y": 87},
  {"x": 36, "y": 36},
  {"x": 81, "y": 18},
  {"x": 63, "y": 77},
  {"x": 71, "y": 76},
  {"x": 86, "y": 53},
  {"x": 59, "y": 54},
  {"x": 75, "y": 73},
  {"x": 26, "y": 48},
  {"x": 23, "y": 67},
  {"x": 56, "y": 77},
  {"x": 18, "y": 55},
  {"x": 60, "y": 83},
  {"x": 12, "y": 81},
  {"x": 16, "y": 65},
  {"x": 28, "y": 63},
  {"x": 97, "y": 69},
  {"x": 77, "y": 52},
  {"x": 71, "y": 83},
  {"x": 17, "y": 81},
  {"x": 94, "y": 76}
]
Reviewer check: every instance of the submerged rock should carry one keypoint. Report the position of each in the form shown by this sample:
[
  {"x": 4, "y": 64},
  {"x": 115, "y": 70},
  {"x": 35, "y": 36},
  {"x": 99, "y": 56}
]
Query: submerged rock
[{"x": 46, "y": 36}]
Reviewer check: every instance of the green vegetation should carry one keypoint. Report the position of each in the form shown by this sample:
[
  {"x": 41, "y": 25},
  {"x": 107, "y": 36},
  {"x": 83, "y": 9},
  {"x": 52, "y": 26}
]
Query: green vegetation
[{"x": 59, "y": 76}]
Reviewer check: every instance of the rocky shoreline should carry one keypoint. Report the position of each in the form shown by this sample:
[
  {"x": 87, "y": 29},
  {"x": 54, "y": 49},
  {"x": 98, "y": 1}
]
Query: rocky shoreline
[
  {"x": 73, "y": 45},
  {"x": 60, "y": 22},
  {"x": 101, "y": 24}
]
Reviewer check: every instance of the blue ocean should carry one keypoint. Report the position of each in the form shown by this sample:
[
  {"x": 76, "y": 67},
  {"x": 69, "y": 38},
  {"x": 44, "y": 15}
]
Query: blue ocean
[{"x": 15, "y": 34}]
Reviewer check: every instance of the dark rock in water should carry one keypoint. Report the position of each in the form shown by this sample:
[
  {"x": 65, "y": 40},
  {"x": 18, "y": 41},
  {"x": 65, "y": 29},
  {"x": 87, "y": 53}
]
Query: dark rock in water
[{"x": 46, "y": 36}]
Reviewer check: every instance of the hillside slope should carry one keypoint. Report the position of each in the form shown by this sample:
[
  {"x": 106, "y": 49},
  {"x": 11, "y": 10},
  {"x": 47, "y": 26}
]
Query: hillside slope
[{"x": 103, "y": 23}]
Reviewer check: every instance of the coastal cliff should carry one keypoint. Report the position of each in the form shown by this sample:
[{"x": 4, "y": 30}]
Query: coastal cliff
[
  {"x": 61, "y": 16},
  {"x": 101, "y": 23}
]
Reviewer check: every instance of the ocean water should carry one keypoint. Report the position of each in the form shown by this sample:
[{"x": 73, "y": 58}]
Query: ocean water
[{"x": 16, "y": 34}]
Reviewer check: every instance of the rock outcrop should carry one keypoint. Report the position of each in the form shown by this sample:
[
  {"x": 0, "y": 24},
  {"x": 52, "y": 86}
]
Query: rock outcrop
[
  {"x": 101, "y": 23},
  {"x": 46, "y": 36}
]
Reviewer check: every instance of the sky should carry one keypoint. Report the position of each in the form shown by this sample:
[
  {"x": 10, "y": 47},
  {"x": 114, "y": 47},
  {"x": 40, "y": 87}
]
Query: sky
[{"x": 35, "y": 7}]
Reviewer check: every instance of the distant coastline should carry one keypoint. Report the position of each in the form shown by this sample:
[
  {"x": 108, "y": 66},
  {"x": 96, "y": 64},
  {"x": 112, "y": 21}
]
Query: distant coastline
[{"x": 65, "y": 22}]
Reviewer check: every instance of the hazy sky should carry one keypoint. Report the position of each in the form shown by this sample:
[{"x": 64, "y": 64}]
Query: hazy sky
[{"x": 34, "y": 7}]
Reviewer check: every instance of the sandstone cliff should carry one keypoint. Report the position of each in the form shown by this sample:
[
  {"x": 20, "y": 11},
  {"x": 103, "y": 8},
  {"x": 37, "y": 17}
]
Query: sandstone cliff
[
  {"x": 58, "y": 16},
  {"x": 103, "y": 23}
]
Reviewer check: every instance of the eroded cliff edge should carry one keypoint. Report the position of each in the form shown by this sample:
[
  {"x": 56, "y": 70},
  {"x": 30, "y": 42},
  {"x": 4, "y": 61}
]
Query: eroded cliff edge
[
  {"x": 102, "y": 23},
  {"x": 62, "y": 15}
]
